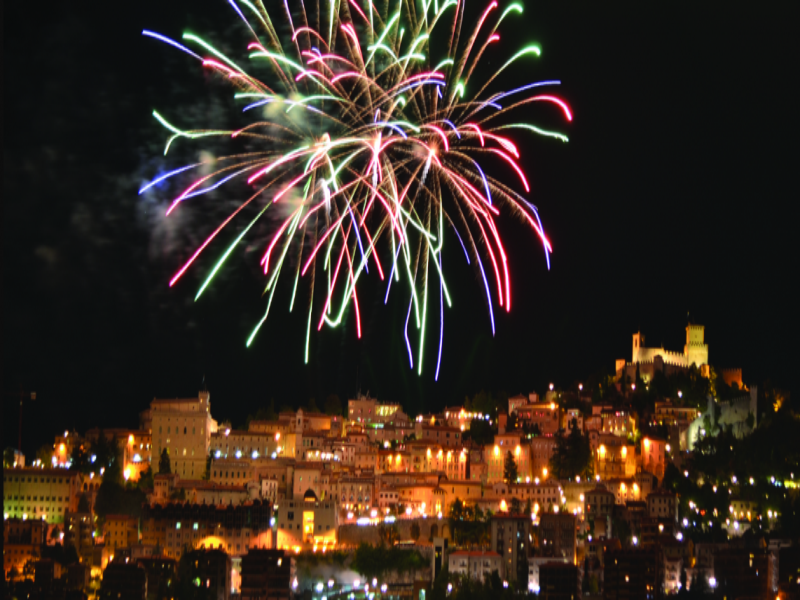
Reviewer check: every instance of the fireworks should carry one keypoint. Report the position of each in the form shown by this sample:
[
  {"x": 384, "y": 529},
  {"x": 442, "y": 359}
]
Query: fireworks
[{"x": 377, "y": 136}]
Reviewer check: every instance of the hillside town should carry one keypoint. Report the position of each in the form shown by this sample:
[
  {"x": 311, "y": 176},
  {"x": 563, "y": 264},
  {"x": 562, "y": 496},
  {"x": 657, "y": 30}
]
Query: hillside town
[{"x": 666, "y": 476}]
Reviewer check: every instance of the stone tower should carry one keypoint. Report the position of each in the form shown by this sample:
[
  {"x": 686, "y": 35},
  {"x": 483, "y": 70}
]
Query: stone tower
[{"x": 695, "y": 350}]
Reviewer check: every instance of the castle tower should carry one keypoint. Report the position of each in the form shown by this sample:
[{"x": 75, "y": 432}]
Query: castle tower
[
  {"x": 695, "y": 350},
  {"x": 638, "y": 344}
]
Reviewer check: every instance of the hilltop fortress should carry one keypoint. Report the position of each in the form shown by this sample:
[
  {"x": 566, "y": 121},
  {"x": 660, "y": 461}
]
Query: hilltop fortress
[{"x": 650, "y": 360}]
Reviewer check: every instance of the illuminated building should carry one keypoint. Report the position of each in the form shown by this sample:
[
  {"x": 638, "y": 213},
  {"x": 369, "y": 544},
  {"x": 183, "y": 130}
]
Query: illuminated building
[
  {"x": 438, "y": 434},
  {"x": 22, "y": 541},
  {"x": 599, "y": 505},
  {"x": 62, "y": 449},
  {"x": 31, "y": 493},
  {"x": 475, "y": 564},
  {"x": 669, "y": 414},
  {"x": 135, "y": 444},
  {"x": 307, "y": 522},
  {"x": 184, "y": 427},
  {"x": 388, "y": 497},
  {"x": 233, "y": 528},
  {"x": 393, "y": 461},
  {"x": 510, "y": 538},
  {"x": 120, "y": 531},
  {"x": 367, "y": 410},
  {"x": 79, "y": 529},
  {"x": 542, "y": 450},
  {"x": 614, "y": 457},
  {"x": 545, "y": 415},
  {"x": 654, "y": 456},
  {"x": 520, "y": 400},
  {"x": 650, "y": 360},
  {"x": 354, "y": 492},
  {"x": 247, "y": 445},
  {"x": 570, "y": 415},
  {"x": 427, "y": 457},
  {"x": 662, "y": 504},
  {"x": 558, "y": 536},
  {"x": 618, "y": 422},
  {"x": 495, "y": 455}
]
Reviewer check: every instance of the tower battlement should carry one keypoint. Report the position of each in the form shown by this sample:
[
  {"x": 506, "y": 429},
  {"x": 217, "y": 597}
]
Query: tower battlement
[{"x": 695, "y": 351}]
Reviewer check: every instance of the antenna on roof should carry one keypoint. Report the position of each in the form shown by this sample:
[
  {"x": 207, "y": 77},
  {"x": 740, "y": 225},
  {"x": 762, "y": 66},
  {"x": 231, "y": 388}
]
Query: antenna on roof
[{"x": 205, "y": 387}]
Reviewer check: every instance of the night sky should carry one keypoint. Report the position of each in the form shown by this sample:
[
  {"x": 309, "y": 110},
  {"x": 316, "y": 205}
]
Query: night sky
[{"x": 674, "y": 196}]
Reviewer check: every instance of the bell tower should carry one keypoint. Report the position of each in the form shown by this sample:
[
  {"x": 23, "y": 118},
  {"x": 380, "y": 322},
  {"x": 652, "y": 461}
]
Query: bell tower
[
  {"x": 696, "y": 350},
  {"x": 638, "y": 343}
]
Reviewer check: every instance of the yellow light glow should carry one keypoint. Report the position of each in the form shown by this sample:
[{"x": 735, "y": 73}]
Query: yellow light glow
[
  {"x": 602, "y": 451},
  {"x": 544, "y": 471},
  {"x": 646, "y": 443},
  {"x": 130, "y": 439},
  {"x": 503, "y": 506},
  {"x": 517, "y": 450},
  {"x": 62, "y": 448},
  {"x": 624, "y": 451},
  {"x": 496, "y": 450}
]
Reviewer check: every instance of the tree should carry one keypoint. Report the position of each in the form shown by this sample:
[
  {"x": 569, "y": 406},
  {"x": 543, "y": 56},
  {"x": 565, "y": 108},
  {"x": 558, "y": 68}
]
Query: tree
[
  {"x": 8, "y": 458},
  {"x": 457, "y": 510},
  {"x": 415, "y": 531},
  {"x": 163, "y": 463},
  {"x": 45, "y": 454},
  {"x": 621, "y": 530},
  {"x": 102, "y": 450},
  {"x": 510, "y": 469},
  {"x": 479, "y": 432},
  {"x": 388, "y": 534},
  {"x": 113, "y": 472},
  {"x": 66, "y": 555},
  {"x": 207, "y": 472},
  {"x": 516, "y": 506},
  {"x": 312, "y": 405},
  {"x": 83, "y": 504},
  {"x": 333, "y": 406},
  {"x": 572, "y": 455},
  {"x": 80, "y": 459},
  {"x": 262, "y": 414},
  {"x": 146, "y": 479}
]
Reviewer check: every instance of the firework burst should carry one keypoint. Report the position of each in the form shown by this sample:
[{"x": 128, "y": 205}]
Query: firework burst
[{"x": 377, "y": 138}]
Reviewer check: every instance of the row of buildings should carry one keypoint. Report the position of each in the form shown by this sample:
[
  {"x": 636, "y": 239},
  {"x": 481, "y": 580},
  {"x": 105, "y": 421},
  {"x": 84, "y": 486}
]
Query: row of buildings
[{"x": 307, "y": 482}]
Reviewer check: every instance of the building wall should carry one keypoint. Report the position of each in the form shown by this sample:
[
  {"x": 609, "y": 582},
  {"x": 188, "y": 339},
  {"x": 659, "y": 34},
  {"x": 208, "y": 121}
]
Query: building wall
[
  {"x": 40, "y": 493},
  {"x": 306, "y": 524},
  {"x": 510, "y": 538},
  {"x": 476, "y": 565},
  {"x": 184, "y": 428}
]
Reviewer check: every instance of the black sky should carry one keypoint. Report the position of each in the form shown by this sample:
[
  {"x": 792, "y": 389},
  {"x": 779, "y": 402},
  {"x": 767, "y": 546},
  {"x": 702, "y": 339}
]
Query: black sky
[{"x": 675, "y": 195}]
